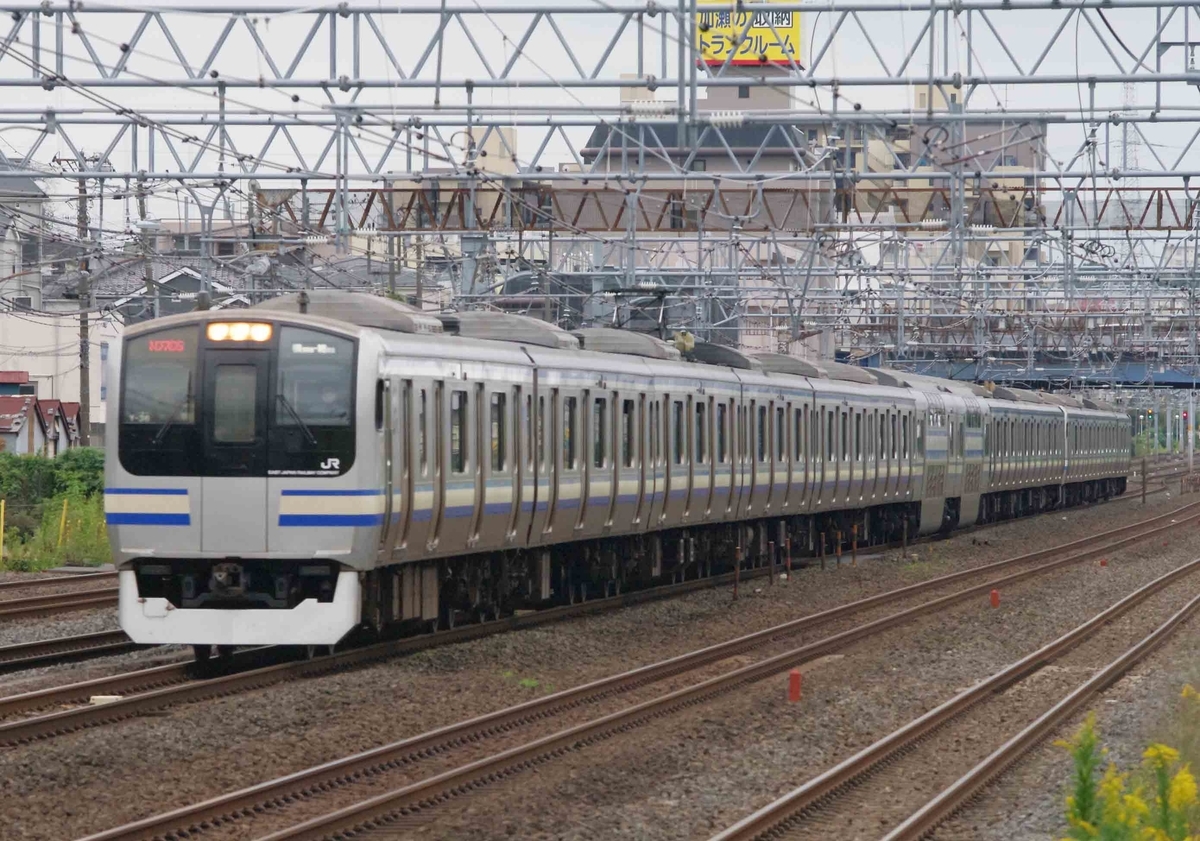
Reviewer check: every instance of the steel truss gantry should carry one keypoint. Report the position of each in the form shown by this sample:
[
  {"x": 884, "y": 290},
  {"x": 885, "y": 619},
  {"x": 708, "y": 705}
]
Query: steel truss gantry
[{"x": 1049, "y": 211}]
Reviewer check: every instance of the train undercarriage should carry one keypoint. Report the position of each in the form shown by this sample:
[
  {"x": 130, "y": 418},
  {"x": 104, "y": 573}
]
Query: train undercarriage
[{"x": 474, "y": 588}]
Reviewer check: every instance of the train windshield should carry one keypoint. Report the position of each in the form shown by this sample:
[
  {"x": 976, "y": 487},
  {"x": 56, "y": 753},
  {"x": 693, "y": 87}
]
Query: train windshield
[{"x": 193, "y": 406}]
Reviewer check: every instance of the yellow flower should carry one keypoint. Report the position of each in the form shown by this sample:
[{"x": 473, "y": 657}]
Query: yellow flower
[
  {"x": 1189, "y": 691},
  {"x": 1182, "y": 792},
  {"x": 1158, "y": 754}
]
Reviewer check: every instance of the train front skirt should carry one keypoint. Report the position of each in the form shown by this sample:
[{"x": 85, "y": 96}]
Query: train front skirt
[{"x": 155, "y": 621}]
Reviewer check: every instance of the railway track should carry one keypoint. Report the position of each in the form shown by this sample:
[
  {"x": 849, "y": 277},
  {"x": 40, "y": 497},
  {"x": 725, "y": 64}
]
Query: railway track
[
  {"x": 412, "y": 801},
  {"x": 33, "y": 583},
  {"x": 29, "y": 655},
  {"x": 34, "y": 606},
  {"x": 870, "y": 786},
  {"x": 80, "y": 647}
]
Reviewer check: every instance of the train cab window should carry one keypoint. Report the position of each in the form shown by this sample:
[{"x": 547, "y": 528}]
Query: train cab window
[
  {"x": 570, "y": 415},
  {"x": 458, "y": 432},
  {"x": 498, "y": 418},
  {"x": 234, "y": 404},
  {"x": 599, "y": 432},
  {"x": 677, "y": 431},
  {"x": 780, "y": 435},
  {"x": 627, "y": 428},
  {"x": 722, "y": 439},
  {"x": 701, "y": 433}
]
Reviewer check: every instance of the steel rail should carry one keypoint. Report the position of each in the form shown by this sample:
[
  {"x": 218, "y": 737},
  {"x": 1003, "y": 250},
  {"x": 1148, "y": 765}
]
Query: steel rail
[
  {"x": 27, "y": 655},
  {"x": 23, "y": 584},
  {"x": 777, "y": 815},
  {"x": 163, "y": 686},
  {"x": 57, "y": 603},
  {"x": 443, "y": 787},
  {"x": 962, "y": 790}
]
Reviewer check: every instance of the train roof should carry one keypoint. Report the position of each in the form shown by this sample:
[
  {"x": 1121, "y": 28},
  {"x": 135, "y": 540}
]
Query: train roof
[{"x": 598, "y": 349}]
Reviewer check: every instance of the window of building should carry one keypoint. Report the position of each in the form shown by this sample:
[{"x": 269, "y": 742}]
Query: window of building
[
  {"x": 743, "y": 91},
  {"x": 699, "y": 165}
]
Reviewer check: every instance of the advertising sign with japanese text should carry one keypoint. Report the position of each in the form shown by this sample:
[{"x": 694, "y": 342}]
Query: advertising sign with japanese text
[{"x": 753, "y": 38}]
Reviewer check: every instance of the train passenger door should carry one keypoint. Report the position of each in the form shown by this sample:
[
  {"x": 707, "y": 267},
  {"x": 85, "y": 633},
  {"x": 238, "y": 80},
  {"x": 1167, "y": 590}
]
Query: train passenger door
[{"x": 234, "y": 494}]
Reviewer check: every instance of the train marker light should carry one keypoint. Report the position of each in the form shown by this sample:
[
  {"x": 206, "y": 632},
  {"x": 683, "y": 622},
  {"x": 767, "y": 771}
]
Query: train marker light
[{"x": 238, "y": 331}]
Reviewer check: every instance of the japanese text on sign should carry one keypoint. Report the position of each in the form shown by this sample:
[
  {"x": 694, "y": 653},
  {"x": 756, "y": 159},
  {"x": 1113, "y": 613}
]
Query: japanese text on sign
[{"x": 751, "y": 38}]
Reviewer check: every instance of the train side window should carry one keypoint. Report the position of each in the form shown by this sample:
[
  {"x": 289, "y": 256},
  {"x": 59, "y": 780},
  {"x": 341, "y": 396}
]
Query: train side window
[
  {"x": 540, "y": 422},
  {"x": 458, "y": 432},
  {"x": 845, "y": 424},
  {"x": 379, "y": 390},
  {"x": 599, "y": 432},
  {"x": 760, "y": 431},
  {"x": 421, "y": 435},
  {"x": 570, "y": 413},
  {"x": 858, "y": 442},
  {"x": 627, "y": 427},
  {"x": 780, "y": 435},
  {"x": 722, "y": 441},
  {"x": 904, "y": 436},
  {"x": 701, "y": 433},
  {"x": 529, "y": 436},
  {"x": 677, "y": 431},
  {"x": 830, "y": 441},
  {"x": 798, "y": 435},
  {"x": 498, "y": 423},
  {"x": 894, "y": 436}
]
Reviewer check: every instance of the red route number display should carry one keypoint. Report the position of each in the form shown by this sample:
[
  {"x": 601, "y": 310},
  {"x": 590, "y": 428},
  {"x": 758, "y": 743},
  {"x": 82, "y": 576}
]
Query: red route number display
[{"x": 166, "y": 346}]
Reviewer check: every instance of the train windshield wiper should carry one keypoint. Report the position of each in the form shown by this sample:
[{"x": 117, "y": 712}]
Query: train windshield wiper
[
  {"x": 291, "y": 410},
  {"x": 174, "y": 413}
]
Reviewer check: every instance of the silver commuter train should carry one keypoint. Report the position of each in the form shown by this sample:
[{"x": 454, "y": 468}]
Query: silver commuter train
[{"x": 327, "y": 461}]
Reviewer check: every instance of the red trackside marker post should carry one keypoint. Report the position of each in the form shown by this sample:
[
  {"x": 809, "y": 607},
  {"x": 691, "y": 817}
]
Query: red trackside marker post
[
  {"x": 794, "y": 681},
  {"x": 1104, "y": 562},
  {"x": 995, "y": 598}
]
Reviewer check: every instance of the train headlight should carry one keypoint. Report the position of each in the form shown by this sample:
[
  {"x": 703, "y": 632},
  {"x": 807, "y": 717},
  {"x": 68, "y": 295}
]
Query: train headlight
[{"x": 238, "y": 331}]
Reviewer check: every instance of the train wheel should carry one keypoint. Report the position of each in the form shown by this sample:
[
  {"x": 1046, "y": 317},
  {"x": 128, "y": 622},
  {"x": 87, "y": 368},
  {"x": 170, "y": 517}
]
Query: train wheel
[{"x": 202, "y": 653}]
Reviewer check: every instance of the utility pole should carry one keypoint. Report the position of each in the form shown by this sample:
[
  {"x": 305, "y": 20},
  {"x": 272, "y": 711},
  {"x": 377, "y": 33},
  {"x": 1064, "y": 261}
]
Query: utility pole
[
  {"x": 147, "y": 265},
  {"x": 85, "y": 300}
]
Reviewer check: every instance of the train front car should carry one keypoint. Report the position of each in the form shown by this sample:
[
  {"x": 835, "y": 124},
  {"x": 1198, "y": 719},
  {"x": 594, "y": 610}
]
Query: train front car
[{"x": 243, "y": 486}]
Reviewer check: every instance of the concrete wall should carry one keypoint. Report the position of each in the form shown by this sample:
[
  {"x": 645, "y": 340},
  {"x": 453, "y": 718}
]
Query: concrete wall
[{"x": 47, "y": 346}]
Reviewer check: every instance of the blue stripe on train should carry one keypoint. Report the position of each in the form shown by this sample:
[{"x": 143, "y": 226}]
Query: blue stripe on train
[
  {"x": 118, "y": 519},
  {"x": 312, "y": 520},
  {"x": 346, "y": 492},
  {"x": 148, "y": 491}
]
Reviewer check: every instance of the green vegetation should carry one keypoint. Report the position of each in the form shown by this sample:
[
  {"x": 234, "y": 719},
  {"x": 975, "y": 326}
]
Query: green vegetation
[
  {"x": 1155, "y": 802},
  {"x": 34, "y": 489}
]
